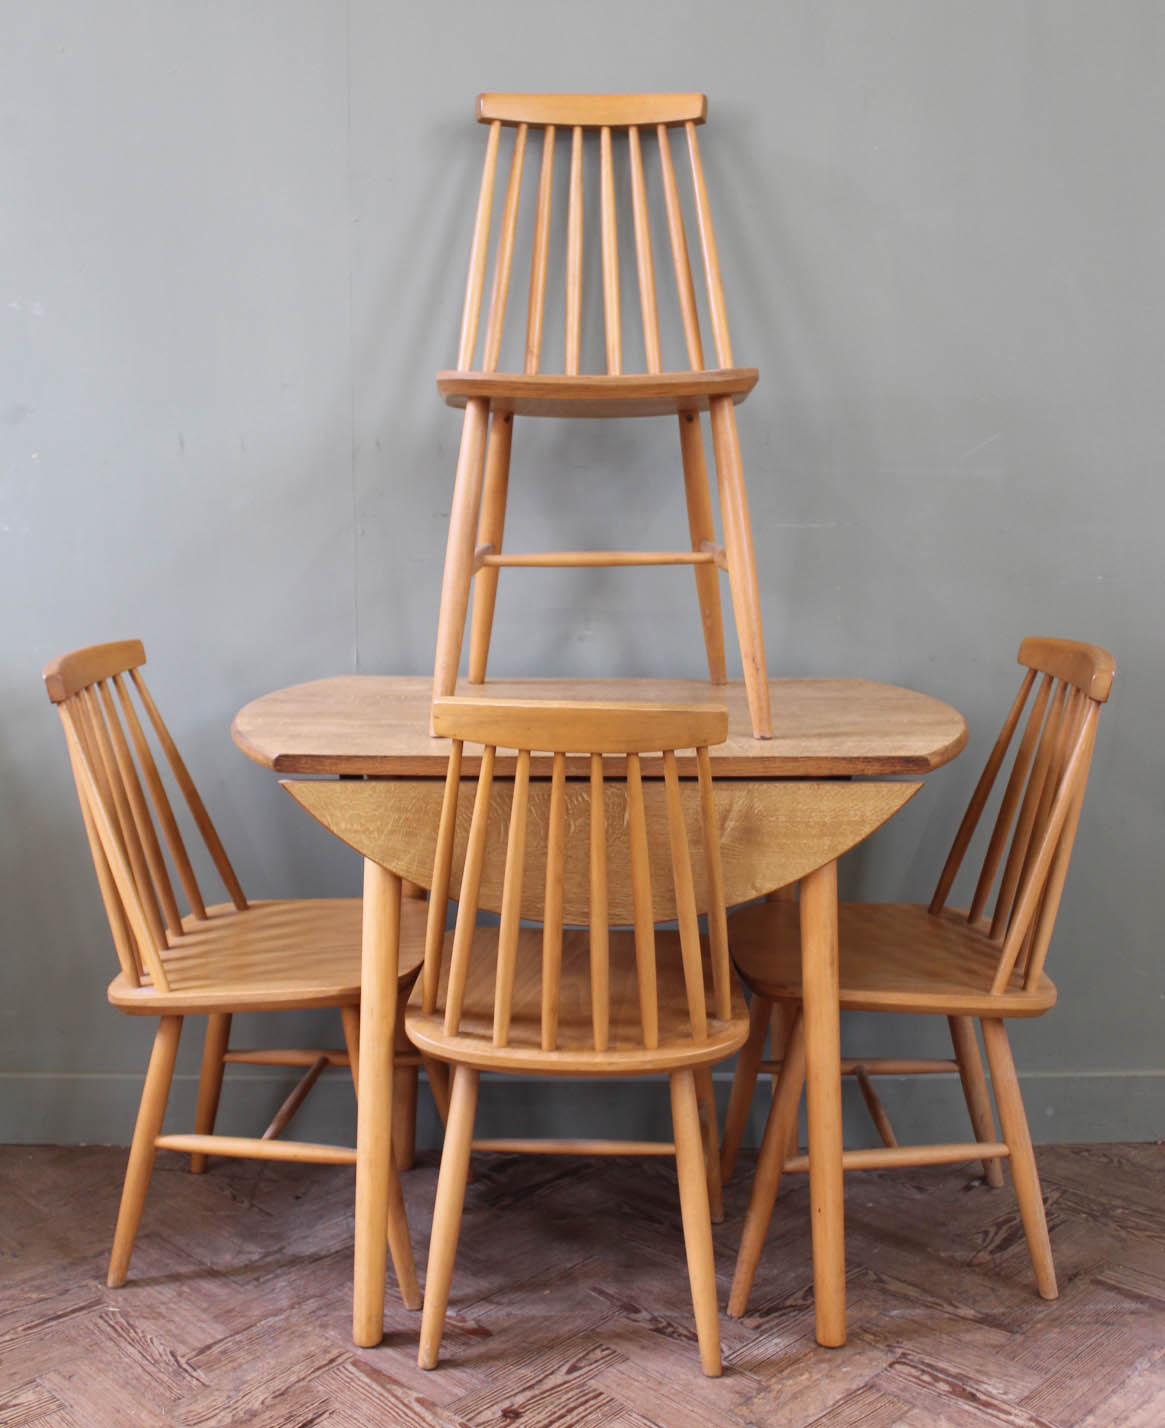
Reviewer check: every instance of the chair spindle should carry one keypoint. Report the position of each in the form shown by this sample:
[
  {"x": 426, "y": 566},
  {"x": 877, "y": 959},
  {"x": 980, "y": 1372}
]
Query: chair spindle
[
  {"x": 540, "y": 254},
  {"x": 504, "y": 258},
  {"x": 442, "y": 872},
  {"x": 644, "y": 917},
  {"x": 599, "y": 916},
  {"x": 686, "y": 917},
  {"x": 574, "y": 255},
  {"x": 610, "y": 236},
  {"x": 511, "y": 901},
  {"x": 552, "y": 916}
]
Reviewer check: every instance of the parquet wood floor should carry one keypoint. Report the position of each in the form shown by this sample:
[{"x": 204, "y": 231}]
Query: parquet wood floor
[{"x": 570, "y": 1303}]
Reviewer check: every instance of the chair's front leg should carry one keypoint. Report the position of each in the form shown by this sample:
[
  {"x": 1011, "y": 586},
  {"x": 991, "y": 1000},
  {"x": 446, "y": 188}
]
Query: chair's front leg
[
  {"x": 463, "y": 515},
  {"x": 151, "y": 1112},
  {"x": 819, "y": 985},
  {"x": 378, "y": 994},
  {"x": 490, "y": 529},
  {"x": 447, "y": 1209},
  {"x": 1024, "y": 1176},
  {"x": 697, "y": 1221}
]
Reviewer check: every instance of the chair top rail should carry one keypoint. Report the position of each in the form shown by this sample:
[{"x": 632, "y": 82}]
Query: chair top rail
[
  {"x": 592, "y": 111},
  {"x": 579, "y": 726},
  {"x": 72, "y": 672},
  {"x": 1088, "y": 667}
]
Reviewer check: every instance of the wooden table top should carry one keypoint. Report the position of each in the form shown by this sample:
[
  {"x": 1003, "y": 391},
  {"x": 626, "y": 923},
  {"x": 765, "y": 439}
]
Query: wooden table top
[{"x": 378, "y": 725}]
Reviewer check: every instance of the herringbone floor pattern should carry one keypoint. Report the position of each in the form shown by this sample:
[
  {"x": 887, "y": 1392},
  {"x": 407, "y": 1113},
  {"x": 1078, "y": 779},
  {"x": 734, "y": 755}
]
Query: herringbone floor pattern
[{"x": 570, "y": 1303}]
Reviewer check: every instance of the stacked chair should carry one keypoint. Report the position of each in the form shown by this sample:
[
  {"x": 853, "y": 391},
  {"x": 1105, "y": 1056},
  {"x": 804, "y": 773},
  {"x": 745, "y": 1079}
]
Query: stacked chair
[{"x": 639, "y": 125}]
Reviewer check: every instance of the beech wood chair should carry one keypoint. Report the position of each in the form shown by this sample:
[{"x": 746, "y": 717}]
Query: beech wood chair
[
  {"x": 984, "y": 963},
  {"x": 579, "y": 996},
  {"x": 492, "y": 399},
  {"x": 214, "y": 960}
]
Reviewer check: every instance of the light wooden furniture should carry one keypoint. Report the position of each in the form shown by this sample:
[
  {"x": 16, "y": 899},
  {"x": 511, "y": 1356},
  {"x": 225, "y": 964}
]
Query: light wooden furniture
[
  {"x": 548, "y": 386},
  {"x": 787, "y": 808},
  {"x": 215, "y": 960},
  {"x": 560, "y": 1000},
  {"x": 986, "y": 962}
]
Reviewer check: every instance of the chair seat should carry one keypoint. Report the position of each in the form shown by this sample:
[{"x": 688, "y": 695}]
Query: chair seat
[
  {"x": 893, "y": 957},
  {"x": 636, "y": 395},
  {"x": 575, "y": 1054},
  {"x": 272, "y": 956}
]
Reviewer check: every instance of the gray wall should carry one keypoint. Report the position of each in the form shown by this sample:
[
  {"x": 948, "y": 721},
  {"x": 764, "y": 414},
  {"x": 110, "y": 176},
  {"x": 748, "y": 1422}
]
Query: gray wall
[{"x": 232, "y": 249}]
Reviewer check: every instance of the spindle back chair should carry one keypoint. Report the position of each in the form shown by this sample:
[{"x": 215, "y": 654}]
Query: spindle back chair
[
  {"x": 213, "y": 958},
  {"x": 546, "y": 386},
  {"x": 986, "y": 961},
  {"x": 581, "y": 995}
]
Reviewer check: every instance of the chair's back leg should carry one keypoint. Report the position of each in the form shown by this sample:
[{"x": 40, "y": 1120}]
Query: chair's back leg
[
  {"x": 741, "y": 560},
  {"x": 400, "y": 1247},
  {"x": 710, "y": 1131},
  {"x": 702, "y": 528},
  {"x": 975, "y": 1091},
  {"x": 151, "y": 1113},
  {"x": 744, "y": 1085},
  {"x": 770, "y": 1166},
  {"x": 214, "y": 1048},
  {"x": 489, "y": 532}
]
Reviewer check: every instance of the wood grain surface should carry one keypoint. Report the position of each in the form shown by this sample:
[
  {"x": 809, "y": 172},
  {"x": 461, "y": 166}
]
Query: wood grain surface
[
  {"x": 822, "y": 728},
  {"x": 239, "y": 1310}
]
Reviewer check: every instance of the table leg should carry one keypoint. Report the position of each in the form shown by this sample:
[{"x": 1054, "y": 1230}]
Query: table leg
[
  {"x": 378, "y": 992},
  {"x": 819, "y": 983}
]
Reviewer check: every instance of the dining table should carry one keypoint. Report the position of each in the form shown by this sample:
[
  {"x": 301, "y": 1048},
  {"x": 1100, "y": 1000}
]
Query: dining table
[{"x": 846, "y": 753}]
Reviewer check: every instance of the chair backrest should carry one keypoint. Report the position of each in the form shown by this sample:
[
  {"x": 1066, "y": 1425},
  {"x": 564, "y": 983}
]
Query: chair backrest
[
  {"x": 614, "y": 118},
  {"x": 1031, "y": 842},
  {"x": 611, "y": 825},
  {"x": 125, "y": 804}
]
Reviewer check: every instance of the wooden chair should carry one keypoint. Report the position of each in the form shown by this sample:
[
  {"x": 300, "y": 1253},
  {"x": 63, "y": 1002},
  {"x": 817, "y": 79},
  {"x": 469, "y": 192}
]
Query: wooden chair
[
  {"x": 492, "y": 399},
  {"x": 940, "y": 962},
  {"x": 578, "y": 996},
  {"x": 217, "y": 959}
]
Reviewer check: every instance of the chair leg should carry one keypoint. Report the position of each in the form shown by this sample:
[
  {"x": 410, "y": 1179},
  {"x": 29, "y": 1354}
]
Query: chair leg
[
  {"x": 404, "y": 1095},
  {"x": 490, "y": 531},
  {"x": 697, "y": 1223},
  {"x": 218, "y": 1035},
  {"x": 741, "y": 559},
  {"x": 400, "y": 1247},
  {"x": 1024, "y": 1175},
  {"x": 404, "y": 1116},
  {"x": 438, "y": 1074},
  {"x": 447, "y": 1212},
  {"x": 744, "y": 1084},
  {"x": 774, "y": 1148},
  {"x": 151, "y": 1113},
  {"x": 710, "y": 1137},
  {"x": 975, "y": 1090},
  {"x": 463, "y": 514},
  {"x": 780, "y": 1028},
  {"x": 702, "y": 528},
  {"x": 350, "y": 1016}
]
